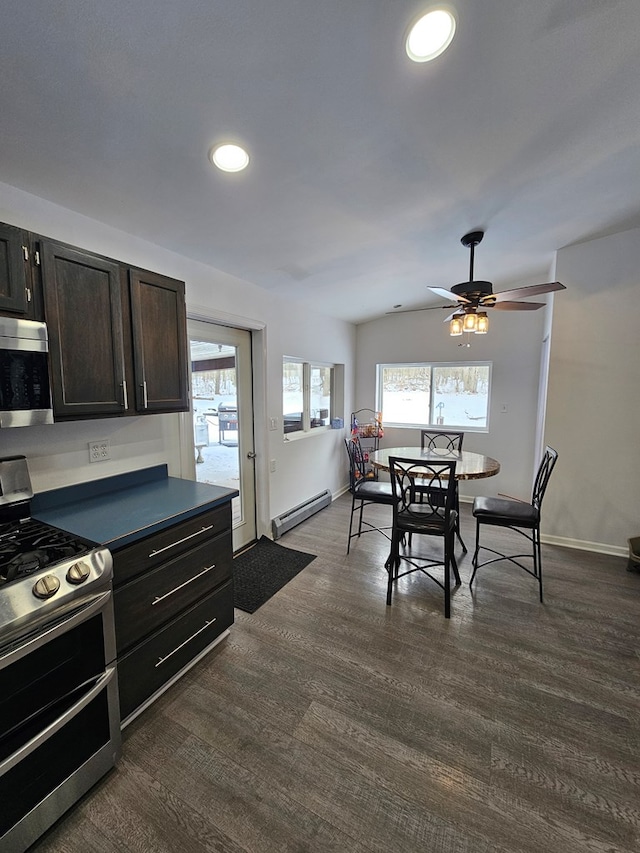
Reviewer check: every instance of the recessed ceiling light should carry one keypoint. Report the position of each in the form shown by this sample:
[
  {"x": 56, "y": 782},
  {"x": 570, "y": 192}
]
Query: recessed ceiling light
[
  {"x": 229, "y": 158},
  {"x": 431, "y": 34}
]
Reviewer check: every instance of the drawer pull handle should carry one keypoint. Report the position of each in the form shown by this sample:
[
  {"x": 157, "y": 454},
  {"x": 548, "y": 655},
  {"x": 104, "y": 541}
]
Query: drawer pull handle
[
  {"x": 188, "y": 640},
  {"x": 180, "y": 541},
  {"x": 160, "y": 598}
]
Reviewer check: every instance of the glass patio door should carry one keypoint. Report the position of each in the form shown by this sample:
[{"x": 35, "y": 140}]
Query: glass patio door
[{"x": 222, "y": 415}]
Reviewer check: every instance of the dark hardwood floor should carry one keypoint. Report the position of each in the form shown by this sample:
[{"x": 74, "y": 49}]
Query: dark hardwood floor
[{"x": 330, "y": 722}]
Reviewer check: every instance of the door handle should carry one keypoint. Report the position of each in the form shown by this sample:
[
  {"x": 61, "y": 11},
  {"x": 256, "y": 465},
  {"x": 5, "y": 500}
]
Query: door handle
[{"x": 251, "y": 455}]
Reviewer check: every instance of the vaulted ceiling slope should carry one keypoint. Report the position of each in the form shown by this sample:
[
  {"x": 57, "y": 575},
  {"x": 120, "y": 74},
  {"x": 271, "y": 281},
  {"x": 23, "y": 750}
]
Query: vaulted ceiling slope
[{"x": 366, "y": 169}]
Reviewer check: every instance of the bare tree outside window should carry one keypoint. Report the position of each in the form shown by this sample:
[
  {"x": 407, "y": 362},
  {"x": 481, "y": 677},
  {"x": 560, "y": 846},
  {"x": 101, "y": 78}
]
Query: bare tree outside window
[{"x": 422, "y": 395}]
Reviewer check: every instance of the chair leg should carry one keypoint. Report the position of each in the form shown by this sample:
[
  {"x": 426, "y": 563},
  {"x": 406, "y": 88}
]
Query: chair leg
[
  {"x": 447, "y": 578},
  {"x": 536, "y": 554},
  {"x": 353, "y": 507},
  {"x": 392, "y": 564},
  {"x": 464, "y": 547},
  {"x": 454, "y": 564},
  {"x": 537, "y": 560},
  {"x": 474, "y": 561}
]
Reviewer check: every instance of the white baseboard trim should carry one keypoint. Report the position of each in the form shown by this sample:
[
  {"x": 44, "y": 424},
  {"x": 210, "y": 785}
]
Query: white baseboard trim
[
  {"x": 583, "y": 545},
  {"x": 578, "y": 544}
]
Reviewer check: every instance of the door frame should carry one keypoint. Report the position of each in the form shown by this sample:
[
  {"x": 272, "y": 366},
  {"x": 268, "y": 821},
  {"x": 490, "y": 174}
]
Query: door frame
[{"x": 260, "y": 437}]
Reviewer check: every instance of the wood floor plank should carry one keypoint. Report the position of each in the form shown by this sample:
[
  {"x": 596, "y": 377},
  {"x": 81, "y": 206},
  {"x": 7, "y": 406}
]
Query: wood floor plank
[{"x": 328, "y": 721}]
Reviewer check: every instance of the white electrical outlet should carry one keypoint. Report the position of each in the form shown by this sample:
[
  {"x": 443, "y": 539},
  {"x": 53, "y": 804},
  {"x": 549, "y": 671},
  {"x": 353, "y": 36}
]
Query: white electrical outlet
[
  {"x": 99, "y": 451},
  {"x": 272, "y": 466}
]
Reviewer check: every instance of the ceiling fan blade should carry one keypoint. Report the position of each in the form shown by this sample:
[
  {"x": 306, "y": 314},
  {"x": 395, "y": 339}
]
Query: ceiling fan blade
[
  {"x": 446, "y": 294},
  {"x": 531, "y": 290},
  {"x": 452, "y": 315},
  {"x": 517, "y": 306},
  {"x": 426, "y": 308}
]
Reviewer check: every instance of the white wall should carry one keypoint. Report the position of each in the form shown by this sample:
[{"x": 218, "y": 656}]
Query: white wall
[
  {"x": 513, "y": 344},
  {"x": 593, "y": 408},
  {"x": 58, "y": 453}
]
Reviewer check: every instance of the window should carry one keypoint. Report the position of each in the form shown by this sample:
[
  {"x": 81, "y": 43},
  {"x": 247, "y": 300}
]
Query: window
[
  {"x": 307, "y": 391},
  {"x": 424, "y": 395}
]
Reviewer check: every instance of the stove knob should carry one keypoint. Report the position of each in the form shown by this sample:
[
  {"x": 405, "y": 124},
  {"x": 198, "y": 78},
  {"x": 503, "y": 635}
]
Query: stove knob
[
  {"x": 46, "y": 586},
  {"x": 78, "y": 573}
]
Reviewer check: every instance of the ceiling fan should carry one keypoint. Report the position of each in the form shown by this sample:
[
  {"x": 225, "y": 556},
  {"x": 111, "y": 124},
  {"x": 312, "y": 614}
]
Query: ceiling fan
[{"x": 473, "y": 297}]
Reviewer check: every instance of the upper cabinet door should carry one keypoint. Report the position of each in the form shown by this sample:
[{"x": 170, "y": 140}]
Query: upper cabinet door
[
  {"x": 158, "y": 318},
  {"x": 15, "y": 294},
  {"x": 84, "y": 315}
]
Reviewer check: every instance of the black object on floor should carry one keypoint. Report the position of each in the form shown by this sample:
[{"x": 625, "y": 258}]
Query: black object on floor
[{"x": 262, "y": 570}]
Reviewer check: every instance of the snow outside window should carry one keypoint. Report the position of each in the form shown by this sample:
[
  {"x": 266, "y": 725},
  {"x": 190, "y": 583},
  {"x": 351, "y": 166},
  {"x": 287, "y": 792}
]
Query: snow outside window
[
  {"x": 307, "y": 392},
  {"x": 431, "y": 395}
]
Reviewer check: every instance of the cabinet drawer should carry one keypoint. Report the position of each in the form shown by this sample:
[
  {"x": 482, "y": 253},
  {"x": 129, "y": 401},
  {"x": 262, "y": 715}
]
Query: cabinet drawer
[
  {"x": 146, "y": 603},
  {"x": 166, "y": 544},
  {"x": 146, "y": 668}
]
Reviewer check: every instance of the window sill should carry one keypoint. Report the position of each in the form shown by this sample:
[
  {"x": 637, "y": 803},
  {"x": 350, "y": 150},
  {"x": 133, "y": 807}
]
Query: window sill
[
  {"x": 458, "y": 427},
  {"x": 297, "y": 436}
]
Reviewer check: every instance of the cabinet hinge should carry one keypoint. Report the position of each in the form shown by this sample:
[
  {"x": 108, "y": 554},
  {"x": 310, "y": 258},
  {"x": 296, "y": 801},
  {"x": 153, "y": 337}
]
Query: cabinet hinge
[
  {"x": 25, "y": 253},
  {"x": 36, "y": 257},
  {"x": 28, "y": 292}
]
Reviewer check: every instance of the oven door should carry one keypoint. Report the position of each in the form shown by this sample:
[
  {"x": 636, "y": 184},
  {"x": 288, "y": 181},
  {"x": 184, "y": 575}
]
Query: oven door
[{"x": 59, "y": 721}]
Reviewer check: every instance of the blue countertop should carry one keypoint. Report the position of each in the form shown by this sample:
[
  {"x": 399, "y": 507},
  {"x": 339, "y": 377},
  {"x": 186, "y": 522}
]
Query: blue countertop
[{"x": 117, "y": 511}]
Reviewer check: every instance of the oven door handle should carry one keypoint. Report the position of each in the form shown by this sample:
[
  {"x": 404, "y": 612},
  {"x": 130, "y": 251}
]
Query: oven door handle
[
  {"x": 102, "y": 681},
  {"x": 56, "y": 630}
]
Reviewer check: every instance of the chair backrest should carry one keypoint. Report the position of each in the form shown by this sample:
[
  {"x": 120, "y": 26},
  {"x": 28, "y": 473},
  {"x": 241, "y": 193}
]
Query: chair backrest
[
  {"x": 438, "y": 487},
  {"x": 542, "y": 477},
  {"x": 444, "y": 438},
  {"x": 357, "y": 471}
]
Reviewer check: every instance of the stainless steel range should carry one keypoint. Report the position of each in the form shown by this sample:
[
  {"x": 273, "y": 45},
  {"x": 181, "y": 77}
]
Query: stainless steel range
[{"x": 59, "y": 718}]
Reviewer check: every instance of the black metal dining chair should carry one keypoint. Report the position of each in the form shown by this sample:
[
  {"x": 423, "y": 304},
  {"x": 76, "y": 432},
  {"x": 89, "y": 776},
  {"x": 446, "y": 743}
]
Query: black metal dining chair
[
  {"x": 432, "y": 513},
  {"x": 519, "y": 516},
  {"x": 364, "y": 491},
  {"x": 443, "y": 438},
  {"x": 451, "y": 441}
]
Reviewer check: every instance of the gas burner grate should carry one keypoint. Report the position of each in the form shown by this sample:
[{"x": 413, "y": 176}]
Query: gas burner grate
[{"x": 28, "y": 545}]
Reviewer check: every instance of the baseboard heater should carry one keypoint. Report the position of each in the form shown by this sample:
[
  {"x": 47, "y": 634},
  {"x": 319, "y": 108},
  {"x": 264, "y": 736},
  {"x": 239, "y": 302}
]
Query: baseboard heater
[{"x": 299, "y": 513}]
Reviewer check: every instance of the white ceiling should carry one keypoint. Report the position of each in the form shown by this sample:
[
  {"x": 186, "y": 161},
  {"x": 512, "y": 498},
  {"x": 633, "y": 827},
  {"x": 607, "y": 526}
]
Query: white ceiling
[{"x": 366, "y": 168}]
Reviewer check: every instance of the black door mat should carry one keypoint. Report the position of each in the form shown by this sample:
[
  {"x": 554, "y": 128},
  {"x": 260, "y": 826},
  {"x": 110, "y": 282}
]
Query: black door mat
[{"x": 262, "y": 570}]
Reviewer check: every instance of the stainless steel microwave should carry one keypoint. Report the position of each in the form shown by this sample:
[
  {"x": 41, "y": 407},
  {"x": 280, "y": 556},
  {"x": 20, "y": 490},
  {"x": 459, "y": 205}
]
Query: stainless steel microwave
[{"x": 25, "y": 392}]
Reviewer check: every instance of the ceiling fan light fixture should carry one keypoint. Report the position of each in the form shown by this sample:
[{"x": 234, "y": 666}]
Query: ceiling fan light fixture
[
  {"x": 470, "y": 322},
  {"x": 483, "y": 323},
  {"x": 455, "y": 327},
  {"x": 229, "y": 158},
  {"x": 431, "y": 34}
]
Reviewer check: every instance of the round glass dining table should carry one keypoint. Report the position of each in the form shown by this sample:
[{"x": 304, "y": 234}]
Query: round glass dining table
[{"x": 470, "y": 465}]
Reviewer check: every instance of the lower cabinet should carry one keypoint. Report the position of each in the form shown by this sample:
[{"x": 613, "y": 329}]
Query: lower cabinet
[
  {"x": 173, "y": 596},
  {"x": 149, "y": 666}
]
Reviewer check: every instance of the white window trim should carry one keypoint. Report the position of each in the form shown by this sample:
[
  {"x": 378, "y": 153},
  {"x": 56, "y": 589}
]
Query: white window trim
[
  {"x": 307, "y": 430},
  {"x": 431, "y": 365}
]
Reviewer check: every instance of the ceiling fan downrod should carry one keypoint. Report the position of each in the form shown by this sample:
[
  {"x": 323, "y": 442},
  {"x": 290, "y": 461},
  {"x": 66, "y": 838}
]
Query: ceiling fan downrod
[{"x": 470, "y": 241}]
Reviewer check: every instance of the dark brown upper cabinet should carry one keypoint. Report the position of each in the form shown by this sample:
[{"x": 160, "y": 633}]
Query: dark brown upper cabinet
[
  {"x": 117, "y": 335},
  {"x": 159, "y": 329},
  {"x": 83, "y": 310},
  {"x": 17, "y": 296}
]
